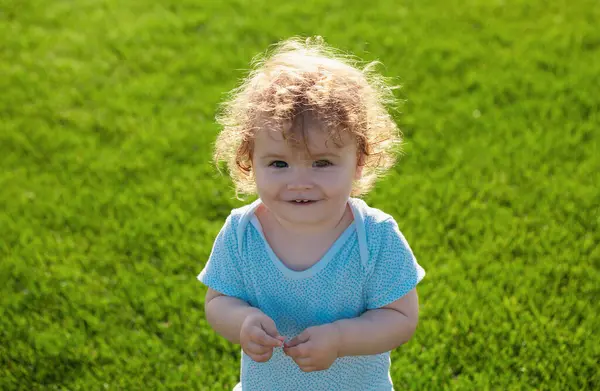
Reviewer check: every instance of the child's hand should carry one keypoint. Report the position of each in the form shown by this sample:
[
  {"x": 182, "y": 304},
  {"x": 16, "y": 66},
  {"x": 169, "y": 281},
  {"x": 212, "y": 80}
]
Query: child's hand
[
  {"x": 258, "y": 337},
  {"x": 316, "y": 348}
]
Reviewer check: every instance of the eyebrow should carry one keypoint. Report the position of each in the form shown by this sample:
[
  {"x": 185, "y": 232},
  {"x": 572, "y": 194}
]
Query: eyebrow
[
  {"x": 324, "y": 155},
  {"x": 314, "y": 156},
  {"x": 273, "y": 156}
]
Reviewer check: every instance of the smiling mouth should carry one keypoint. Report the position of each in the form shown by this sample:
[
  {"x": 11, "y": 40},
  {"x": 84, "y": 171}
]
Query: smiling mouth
[{"x": 302, "y": 202}]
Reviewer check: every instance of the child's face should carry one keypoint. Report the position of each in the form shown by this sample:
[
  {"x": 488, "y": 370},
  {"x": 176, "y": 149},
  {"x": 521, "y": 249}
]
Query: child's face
[{"x": 285, "y": 174}]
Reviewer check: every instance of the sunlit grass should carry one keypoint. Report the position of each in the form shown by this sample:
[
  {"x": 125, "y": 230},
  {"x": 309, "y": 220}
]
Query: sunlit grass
[{"x": 109, "y": 202}]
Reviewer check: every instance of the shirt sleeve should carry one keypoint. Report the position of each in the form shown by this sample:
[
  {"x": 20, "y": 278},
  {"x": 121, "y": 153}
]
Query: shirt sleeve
[
  {"x": 222, "y": 270},
  {"x": 395, "y": 270}
]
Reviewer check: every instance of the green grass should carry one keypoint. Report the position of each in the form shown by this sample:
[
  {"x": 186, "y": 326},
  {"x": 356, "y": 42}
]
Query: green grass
[{"x": 109, "y": 202}]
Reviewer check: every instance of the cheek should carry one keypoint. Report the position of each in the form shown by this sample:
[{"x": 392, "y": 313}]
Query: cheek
[
  {"x": 260, "y": 178},
  {"x": 337, "y": 181},
  {"x": 265, "y": 181}
]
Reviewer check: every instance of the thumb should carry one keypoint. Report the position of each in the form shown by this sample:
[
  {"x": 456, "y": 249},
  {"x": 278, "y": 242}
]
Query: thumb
[
  {"x": 298, "y": 339},
  {"x": 269, "y": 327}
]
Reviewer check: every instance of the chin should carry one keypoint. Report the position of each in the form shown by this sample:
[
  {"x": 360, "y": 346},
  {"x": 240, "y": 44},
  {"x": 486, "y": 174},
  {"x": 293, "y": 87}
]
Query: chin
[{"x": 309, "y": 211}]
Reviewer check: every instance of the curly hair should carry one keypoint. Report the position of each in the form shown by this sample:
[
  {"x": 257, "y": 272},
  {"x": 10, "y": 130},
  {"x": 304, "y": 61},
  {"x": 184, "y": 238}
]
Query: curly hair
[{"x": 300, "y": 75}]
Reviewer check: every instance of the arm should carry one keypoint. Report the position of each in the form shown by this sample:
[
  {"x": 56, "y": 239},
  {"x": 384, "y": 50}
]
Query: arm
[
  {"x": 379, "y": 330},
  {"x": 226, "y": 314},
  {"x": 376, "y": 331},
  {"x": 242, "y": 324}
]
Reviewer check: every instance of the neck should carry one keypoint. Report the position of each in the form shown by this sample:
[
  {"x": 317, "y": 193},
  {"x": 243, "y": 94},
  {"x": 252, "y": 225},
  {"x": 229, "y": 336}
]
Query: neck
[{"x": 309, "y": 230}]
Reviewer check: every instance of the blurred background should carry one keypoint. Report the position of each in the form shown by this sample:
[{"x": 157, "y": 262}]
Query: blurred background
[{"x": 109, "y": 201}]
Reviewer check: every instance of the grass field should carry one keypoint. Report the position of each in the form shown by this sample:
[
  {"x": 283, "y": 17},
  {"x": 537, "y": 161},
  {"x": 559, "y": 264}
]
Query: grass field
[{"x": 109, "y": 202}]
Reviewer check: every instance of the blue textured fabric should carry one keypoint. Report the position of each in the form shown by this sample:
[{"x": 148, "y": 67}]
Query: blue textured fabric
[{"x": 369, "y": 266}]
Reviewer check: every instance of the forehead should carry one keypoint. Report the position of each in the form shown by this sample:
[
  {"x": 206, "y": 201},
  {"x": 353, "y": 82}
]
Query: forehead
[
  {"x": 312, "y": 142},
  {"x": 306, "y": 133}
]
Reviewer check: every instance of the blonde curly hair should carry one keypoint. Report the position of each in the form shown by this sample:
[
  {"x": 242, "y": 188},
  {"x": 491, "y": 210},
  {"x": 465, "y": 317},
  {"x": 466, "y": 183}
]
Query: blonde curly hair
[{"x": 300, "y": 75}]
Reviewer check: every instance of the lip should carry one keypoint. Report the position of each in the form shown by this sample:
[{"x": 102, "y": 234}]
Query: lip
[{"x": 309, "y": 202}]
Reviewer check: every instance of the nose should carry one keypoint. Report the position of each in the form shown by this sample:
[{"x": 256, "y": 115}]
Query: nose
[{"x": 300, "y": 180}]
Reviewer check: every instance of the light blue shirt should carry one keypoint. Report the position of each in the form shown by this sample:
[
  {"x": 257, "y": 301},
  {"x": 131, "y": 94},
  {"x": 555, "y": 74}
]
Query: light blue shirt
[{"x": 369, "y": 266}]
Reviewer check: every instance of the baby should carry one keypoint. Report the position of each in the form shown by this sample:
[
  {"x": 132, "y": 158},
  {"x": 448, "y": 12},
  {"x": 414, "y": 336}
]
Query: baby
[{"x": 316, "y": 286}]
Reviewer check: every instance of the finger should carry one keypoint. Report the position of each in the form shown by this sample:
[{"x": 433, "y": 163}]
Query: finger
[
  {"x": 255, "y": 348},
  {"x": 262, "y": 357},
  {"x": 303, "y": 362},
  {"x": 261, "y": 337},
  {"x": 300, "y": 351},
  {"x": 299, "y": 339},
  {"x": 269, "y": 327}
]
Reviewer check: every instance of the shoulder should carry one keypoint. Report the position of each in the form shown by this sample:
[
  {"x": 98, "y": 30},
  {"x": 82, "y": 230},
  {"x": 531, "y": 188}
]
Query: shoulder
[
  {"x": 229, "y": 232},
  {"x": 236, "y": 224},
  {"x": 238, "y": 216},
  {"x": 375, "y": 221},
  {"x": 380, "y": 232}
]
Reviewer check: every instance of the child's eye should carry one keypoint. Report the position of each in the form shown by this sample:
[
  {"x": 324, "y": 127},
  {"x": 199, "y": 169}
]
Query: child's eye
[
  {"x": 322, "y": 163},
  {"x": 278, "y": 164}
]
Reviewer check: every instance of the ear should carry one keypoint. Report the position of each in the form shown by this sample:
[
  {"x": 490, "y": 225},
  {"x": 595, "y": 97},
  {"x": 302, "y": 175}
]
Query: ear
[
  {"x": 360, "y": 164},
  {"x": 358, "y": 172}
]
